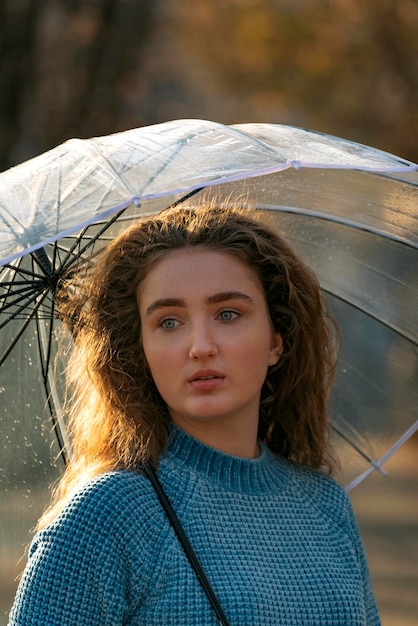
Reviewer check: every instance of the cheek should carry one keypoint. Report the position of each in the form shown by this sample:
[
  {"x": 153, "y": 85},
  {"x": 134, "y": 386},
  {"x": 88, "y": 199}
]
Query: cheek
[
  {"x": 260, "y": 346},
  {"x": 161, "y": 363},
  {"x": 158, "y": 373},
  {"x": 150, "y": 355},
  {"x": 153, "y": 358},
  {"x": 253, "y": 359}
]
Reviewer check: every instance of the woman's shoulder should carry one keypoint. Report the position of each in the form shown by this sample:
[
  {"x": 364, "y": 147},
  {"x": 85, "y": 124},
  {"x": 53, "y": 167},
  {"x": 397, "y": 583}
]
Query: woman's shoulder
[
  {"x": 116, "y": 513},
  {"x": 108, "y": 530},
  {"x": 115, "y": 499},
  {"x": 120, "y": 485},
  {"x": 319, "y": 489}
]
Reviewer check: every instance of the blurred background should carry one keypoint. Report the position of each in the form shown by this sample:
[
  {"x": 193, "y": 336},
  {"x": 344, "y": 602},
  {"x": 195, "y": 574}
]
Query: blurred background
[
  {"x": 92, "y": 67},
  {"x": 349, "y": 68}
]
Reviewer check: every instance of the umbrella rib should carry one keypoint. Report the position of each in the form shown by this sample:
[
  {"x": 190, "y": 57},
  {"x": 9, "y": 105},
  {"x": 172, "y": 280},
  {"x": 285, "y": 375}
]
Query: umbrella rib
[
  {"x": 41, "y": 193},
  {"x": 399, "y": 331},
  {"x": 41, "y": 259},
  {"x": 180, "y": 146},
  {"x": 15, "y": 340},
  {"x": 106, "y": 225},
  {"x": 8, "y": 223},
  {"x": 58, "y": 213},
  {"x": 164, "y": 165},
  {"x": 24, "y": 288},
  {"x": 56, "y": 427},
  {"x": 50, "y": 387},
  {"x": 21, "y": 329},
  {"x": 128, "y": 218},
  {"x": 12, "y": 283},
  {"x": 338, "y": 220},
  {"x": 185, "y": 197},
  {"x": 45, "y": 358},
  {"x": 30, "y": 297},
  {"x": 21, "y": 271},
  {"x": 50, "y": 335},
  {"x": 70, "y": 253},
  {"x": 356, "y": 447}
]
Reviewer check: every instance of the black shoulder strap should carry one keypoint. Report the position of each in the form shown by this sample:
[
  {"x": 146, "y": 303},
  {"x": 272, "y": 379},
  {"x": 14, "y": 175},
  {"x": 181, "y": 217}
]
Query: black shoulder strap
[{"x": 187, "y": 547}]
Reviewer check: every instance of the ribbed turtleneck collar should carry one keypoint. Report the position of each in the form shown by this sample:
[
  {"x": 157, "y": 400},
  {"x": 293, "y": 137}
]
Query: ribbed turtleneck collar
[{"x": 266, "y": 473}]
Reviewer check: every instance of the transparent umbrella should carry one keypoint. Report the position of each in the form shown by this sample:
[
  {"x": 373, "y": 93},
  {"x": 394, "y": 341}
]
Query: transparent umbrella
[{"x": 349, "y": 210}]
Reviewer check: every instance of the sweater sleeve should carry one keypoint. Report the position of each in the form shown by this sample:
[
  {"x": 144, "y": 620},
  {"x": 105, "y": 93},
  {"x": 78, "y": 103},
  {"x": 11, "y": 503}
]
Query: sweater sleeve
[
  {"x": 328, "y": 496},
  {"x": 372, "y": 616},
  {"x": 78, "y": 568}
]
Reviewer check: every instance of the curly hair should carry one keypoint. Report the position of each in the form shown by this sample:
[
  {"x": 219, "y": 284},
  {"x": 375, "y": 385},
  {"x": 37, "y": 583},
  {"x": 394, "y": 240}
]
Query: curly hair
[{"x": 117, "y": 416}]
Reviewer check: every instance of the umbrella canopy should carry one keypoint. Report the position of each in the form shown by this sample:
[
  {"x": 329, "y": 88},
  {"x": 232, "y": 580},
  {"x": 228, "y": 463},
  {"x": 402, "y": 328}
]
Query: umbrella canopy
[{"x": 350, "y": 211}]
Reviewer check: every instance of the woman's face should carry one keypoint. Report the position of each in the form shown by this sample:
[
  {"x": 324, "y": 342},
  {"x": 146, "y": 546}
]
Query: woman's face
[{"x": 208, "y": 340}]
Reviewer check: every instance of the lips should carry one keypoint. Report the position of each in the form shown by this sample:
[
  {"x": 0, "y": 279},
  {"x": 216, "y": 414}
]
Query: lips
[
  {"x": 206, "y": 380},
  {"x": 205, "y": 374}
]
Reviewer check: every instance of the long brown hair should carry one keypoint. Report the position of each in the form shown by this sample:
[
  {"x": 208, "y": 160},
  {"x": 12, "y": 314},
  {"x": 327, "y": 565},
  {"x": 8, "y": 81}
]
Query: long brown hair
[{"x": 117, "y": 417}]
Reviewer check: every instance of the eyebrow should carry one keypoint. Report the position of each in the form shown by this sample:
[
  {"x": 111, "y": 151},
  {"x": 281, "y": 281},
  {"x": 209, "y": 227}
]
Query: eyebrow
[
  {"x": 162, "y": 303},
  {"x": 229, "y": 295},
  {"x": 217, "y": 298}
]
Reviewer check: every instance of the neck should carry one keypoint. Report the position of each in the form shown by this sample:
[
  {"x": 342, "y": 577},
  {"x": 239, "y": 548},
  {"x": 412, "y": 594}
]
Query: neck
[
  {"x": 238, "y": 440},
  {"x": 185, "y": 454}
]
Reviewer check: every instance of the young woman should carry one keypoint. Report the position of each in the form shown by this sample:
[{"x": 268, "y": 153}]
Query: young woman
[{"x": 202, "y": 348}]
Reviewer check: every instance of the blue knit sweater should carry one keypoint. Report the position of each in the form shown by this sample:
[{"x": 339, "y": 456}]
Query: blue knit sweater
[{"x": 278, "y": 542}]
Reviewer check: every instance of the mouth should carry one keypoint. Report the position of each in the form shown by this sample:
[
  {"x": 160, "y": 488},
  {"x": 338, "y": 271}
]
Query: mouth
[
  {"x": 202, "y": 375},
  {"x": 205, "y": 377}
]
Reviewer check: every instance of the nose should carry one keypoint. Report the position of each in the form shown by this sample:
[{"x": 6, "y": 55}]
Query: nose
[{"x": 203, "y": 344}]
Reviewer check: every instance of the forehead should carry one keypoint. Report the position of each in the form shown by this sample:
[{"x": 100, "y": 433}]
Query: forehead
[{"x": 198, "y": 269}]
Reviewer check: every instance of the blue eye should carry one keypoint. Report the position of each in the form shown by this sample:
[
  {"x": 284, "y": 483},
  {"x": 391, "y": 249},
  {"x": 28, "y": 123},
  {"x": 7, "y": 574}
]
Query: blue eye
[
  {"x": 168, "y": 323},
  {"x": 227, "y": 316}
]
